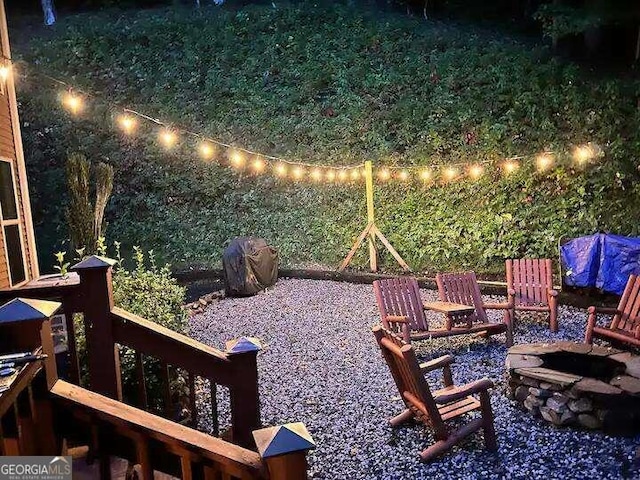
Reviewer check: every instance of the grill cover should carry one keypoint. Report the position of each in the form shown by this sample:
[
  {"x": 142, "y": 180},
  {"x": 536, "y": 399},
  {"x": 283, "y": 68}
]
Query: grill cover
[{"x": 249, "y": 265}]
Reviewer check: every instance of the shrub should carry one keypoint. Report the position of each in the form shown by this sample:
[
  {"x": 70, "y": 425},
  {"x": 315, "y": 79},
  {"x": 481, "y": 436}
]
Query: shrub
[{"x": 151, "y": 292}]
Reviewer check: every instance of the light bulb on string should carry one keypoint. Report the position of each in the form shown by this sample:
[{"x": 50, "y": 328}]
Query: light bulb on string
[
  {"x": 476, "y": 171},
  {"x": 236, "y": 159},
  {"x": 342, "y": 175},
  {"x": 403, "y": 175},
  {"x": 425, "y": 175},
  {"x": 258, "y": 164},
  {"x": 384, "y": 174},
  {"x": 510, "y": 166},
  {"x": 544, "y": 161},
  {"x": 583, "y": 154},
  {"x": 72, "y": 102},
  {"x": 168, "y": 138},
  {"x": 5, "y": 71},
  {"x": 127, "y": 123},
  {"x": 207, "y": 150},
  {"x": 355, "y": 174},
  {"x": 450, "y": 173},
  {"x": 316, "y": 174},
  {"x": 281, "y": 169},
  {"x": 298, "y": 172},
  {"x": 331, "y": 175}
]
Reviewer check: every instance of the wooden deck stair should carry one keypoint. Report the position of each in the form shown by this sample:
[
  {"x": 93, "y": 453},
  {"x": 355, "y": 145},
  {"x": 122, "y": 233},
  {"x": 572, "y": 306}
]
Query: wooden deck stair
[{"x": 83, "y": 469}]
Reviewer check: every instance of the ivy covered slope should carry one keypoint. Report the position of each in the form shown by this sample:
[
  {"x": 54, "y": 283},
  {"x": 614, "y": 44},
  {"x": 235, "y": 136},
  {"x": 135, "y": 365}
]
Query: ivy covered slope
[{"x": 330, "y": 86}]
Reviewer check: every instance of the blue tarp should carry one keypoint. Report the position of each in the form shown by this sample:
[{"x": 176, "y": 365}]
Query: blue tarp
[{"x": 604, "y": 261}]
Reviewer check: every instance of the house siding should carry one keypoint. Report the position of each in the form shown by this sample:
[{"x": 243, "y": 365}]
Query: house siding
[{"x": 11, "y": 149}]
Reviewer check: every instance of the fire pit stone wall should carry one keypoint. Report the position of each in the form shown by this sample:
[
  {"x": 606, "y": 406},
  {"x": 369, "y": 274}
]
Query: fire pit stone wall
[{"x": 572, "y": 384}]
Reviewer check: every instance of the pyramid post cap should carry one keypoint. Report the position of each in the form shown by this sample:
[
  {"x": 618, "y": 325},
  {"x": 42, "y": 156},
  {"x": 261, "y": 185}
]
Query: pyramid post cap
[
  {"x": 26, "y": 309},
  {"x": 94, "y": 261},
  {"x": 283, "y": 439},
  {"x": 243, "y": 345}
]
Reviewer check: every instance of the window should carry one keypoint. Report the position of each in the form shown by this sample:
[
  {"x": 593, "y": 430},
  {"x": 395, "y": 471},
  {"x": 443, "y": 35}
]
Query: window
[{"x": 10, "y": 224}]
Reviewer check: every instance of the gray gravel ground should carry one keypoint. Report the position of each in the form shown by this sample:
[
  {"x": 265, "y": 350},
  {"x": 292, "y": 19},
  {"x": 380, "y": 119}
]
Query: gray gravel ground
[{"x": 321, "y": 366}]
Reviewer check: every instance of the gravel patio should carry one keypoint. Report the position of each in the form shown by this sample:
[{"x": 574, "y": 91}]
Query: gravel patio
[{"x": 321, "y": 366}]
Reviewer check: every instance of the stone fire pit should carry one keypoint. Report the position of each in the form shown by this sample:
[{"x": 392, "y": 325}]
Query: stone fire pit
[{"x": 577, "y": 384}]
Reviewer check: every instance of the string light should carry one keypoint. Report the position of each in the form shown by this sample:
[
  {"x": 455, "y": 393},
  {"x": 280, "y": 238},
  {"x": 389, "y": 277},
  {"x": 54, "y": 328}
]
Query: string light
[
  {"x": 258, "y": 164},
  {"x": 384, "y": 174},
  {"x": 450, "y": 173},
  {"x": 207, "y": 150},
  {"x": 425, "y": 174},
  {"x": 5, "y": 71},
  {"x": 510, "y": 166},
  {"x": 236, "y": 159},
  {"x": 298, "y": 172},
  {"x": 72, "y": 102},
  {"x": 583, "y": 154},
  {"x": 281, "y": 169},
  {"x": 544, "y": 161},
  {"x": 168, "y": 138},
  {"x": 127, "y": 123},
  {"x": 476, "y": 171}
]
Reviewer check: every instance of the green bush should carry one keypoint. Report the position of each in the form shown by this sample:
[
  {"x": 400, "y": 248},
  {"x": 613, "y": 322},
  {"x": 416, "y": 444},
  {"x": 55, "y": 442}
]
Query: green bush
[{"x": 403, "y": 91}]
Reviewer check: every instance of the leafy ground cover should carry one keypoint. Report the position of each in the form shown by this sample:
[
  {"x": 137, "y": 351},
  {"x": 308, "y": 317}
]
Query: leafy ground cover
[{"x": 330, "y": 85}]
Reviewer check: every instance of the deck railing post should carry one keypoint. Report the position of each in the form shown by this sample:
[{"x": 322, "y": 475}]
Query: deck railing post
[
  {"x": 96, "y": 299},
  {"x": 243, "y": 392},
  {"x": 284, "y": 450}
]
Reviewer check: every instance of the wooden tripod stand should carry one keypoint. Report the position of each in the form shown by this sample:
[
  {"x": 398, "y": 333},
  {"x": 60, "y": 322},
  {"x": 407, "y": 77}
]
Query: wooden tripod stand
[{"x": 371, "y": 231}]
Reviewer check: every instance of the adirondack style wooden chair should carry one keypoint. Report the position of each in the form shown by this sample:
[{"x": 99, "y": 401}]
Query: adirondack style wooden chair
[
  {"x": 530, "y": 288},
  {"x": 625, "y": 321},
  {"x": 463, "y": 288},
  {"x": 402, "y": 312},
  {"x": 436, "y": 409}
]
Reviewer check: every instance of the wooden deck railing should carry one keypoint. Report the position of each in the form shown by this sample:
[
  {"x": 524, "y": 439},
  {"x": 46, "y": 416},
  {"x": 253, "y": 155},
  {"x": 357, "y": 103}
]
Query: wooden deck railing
[
  {"x": 89, "y": 291},
  {"x": 110, "y": 428},
  {"x": 238, "y": 371},
  {"x": 43, "y": 415},
  {"x": 38, "y": 421}
]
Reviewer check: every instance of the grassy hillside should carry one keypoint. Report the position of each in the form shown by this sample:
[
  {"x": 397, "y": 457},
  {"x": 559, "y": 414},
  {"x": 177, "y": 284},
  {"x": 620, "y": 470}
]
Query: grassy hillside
[{"x": 332, "y": 86}]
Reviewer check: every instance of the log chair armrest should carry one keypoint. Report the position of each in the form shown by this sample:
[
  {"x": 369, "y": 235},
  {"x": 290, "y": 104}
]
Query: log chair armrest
[
  {"x": 552, "y": 292},
  {"x": 499, "y": 306},
  {"x": 511, "y": 292},
  {"x": 464, "y": 391},
  {"x": 612, "y": 311},
  {"x": 397, "y": 318},
  {"x": 439, "y": 362}
]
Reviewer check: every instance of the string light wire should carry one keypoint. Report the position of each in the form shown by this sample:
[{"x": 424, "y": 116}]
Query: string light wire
[{"x": 257, "y": 161}]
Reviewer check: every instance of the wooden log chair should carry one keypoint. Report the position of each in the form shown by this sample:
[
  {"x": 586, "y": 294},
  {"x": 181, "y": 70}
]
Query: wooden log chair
[
  {"x": 625, "y": 319},
  {"x": 402, "y": 311},
  {"x": 530, "y": 288},
  {"x": 435, "y": 409},
  {"x": 463, "y": 288}
]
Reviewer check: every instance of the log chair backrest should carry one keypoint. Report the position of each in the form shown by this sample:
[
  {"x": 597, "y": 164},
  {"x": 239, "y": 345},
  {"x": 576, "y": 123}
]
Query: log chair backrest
[
  {"x": 629, "y": 307},
  {"x": 462, "y": 288},
  {"x": 530, "y": 278},
  {"x": 413, "y": 387},
  {"x": 401, "y": 296}
]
